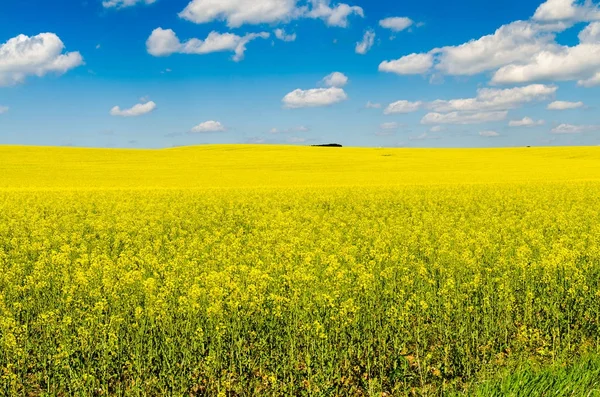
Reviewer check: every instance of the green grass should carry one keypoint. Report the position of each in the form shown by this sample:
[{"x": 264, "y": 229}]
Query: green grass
[{"x": 580, "y": 379}]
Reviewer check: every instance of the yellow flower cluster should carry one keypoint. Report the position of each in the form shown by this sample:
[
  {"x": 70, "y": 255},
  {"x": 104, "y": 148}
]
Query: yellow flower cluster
[{"x": 292, "y": 271}]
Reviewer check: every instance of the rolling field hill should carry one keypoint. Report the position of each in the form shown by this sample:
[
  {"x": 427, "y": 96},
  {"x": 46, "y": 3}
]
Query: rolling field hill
[{"x": 261, "y": 166}]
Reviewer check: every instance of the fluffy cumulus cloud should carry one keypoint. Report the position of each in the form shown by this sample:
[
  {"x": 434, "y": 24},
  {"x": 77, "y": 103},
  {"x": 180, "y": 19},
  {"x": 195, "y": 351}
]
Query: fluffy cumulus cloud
[
  {"x": 522, "y": 51},
  {"x": 567, "y": 10},
  {"x": 496, "y": 99},
  {"x": 489, "y": 134},
  {"x": 403, "y": 107},
  {"x": 510, "y": 43},
  {"x": 283, "y": 36},
  {"x": 463, "y": 117},
  {"x": 558, "y": 63},
  {"x": 208, "y": 126},
  {"x": 363, "y": 46},
  {"x": 580, "y": 62},
  {"x": 335, "y": 79},
  {"x": 591, "y": 34},
  {"x": 240, "y": 12},
  {"x": 39, "y": 55},
  {"x": 137, "y": 110},
  {"x": 314, "y": 97},
  {"x": 396, "y": 24},
  {"x": 164, "y": 42},
  {"x": 525, "y": 122},
  {"x": 336, "y": 15},
  {"x": 574, "y": 129},
  {"x": 564, "y": 105},
  {"x": 410, "y": 64},
  {"x": 124, "y": 3},
  {"x": 515, "y": 42}
]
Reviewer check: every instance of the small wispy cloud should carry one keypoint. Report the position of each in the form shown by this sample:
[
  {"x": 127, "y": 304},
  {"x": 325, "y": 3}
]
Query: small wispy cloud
[
  {"x": 363, "y": 46},
  {"x": 208, "y": 126},
  {"x": 135, "y": 111},
  {"x": 489, "y": 134}
]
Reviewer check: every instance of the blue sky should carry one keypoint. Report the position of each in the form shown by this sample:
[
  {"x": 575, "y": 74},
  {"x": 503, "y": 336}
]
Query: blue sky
[{"x": 162, "y": 73}]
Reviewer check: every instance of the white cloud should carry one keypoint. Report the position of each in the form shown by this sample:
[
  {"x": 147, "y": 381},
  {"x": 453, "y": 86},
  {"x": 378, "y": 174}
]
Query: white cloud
[
  {"x": 216, "y": 42},
  {"x": 542, "y": 59},
  {"x": 525, "y": 122},
  {"x": 488, "y": 100},
  {"x": 396, "y": 24},
  {"x": 164, "y": 42},
  {"x": 521, "y": 51},
  {"x": 591, "y": 34},
  {"x": 39, "y": 55},
  {"x": 490, "y": 104},
  {"x": 3, "y": 109},
  {"x": 463, "y": 117},
  {"x": 516, "y": 42},
  {"x": 124, "y": 3},
  {"x": 409, "y": 64},
  {"x": 281, "y": 35},
  {"x": 592, "y": 81},
  {"x": 335, "y": 79},
  {"x": 436, "y": 128},
  {"x": 574, "y": 129},
  {"x": 333, "y": 16},
  {"x": 314, "y": 97},
  {"x": 580, "y": 62},
  {"x": 239, "y": 12},
  {"x": 137, "y": 110},
  {"x": 208, "y": 126},
  {"x": 367, "y": 42},
  {"x": 489, "y": 134},
  {"x": 564, "y": 105},
  {"x": 389, "y": 126},
  {"x": 319, "y": 96},
  {"x": 496, "y": 99},
  {"x": 371, "y": 105},
  {"x": 566, "y": 10},
  {"x": 403, "y": 107}
]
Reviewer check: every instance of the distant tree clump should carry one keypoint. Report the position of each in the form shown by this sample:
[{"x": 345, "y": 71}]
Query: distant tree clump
[{"x": 328, "y": 145}]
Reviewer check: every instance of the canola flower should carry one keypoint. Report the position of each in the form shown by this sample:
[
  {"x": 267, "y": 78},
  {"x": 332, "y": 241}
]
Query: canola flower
[{"x": 236, "y": 270}]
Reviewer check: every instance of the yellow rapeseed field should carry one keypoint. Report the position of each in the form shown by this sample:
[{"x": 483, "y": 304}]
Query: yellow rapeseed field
[{"x": 269, "y": 270}]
